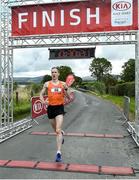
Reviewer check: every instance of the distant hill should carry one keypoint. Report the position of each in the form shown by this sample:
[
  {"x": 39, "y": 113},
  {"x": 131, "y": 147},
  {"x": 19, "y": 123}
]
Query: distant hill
[
  {"x": 27, "y": 80},
  {"x": 88, "y": 78}
]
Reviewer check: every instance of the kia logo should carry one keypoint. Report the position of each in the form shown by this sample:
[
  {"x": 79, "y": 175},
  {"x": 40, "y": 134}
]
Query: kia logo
[{"x": 121, "y": 6}]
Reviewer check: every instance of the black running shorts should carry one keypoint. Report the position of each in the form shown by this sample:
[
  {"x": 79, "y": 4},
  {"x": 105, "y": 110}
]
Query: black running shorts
[{"x": 54, "y": 111}]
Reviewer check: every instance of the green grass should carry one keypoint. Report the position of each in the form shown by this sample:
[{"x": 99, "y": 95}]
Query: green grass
[
  {"x": 22, "y": 109},
  {"x": 118, "y": 100},
  {"x": 132, "y": 105}
]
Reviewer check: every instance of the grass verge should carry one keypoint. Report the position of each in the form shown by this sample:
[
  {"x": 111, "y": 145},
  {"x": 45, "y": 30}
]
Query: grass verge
[
  {"x": 21, "y": 110},
  {"x": 118, "y": 101}
]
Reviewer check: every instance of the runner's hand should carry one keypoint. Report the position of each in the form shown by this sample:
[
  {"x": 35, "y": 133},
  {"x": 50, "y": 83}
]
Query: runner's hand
[{"x": 46, "y": 101}]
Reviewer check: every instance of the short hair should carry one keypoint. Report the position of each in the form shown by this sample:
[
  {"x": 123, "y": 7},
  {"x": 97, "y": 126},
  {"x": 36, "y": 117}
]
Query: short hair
[{"x": 55, "y": 68}]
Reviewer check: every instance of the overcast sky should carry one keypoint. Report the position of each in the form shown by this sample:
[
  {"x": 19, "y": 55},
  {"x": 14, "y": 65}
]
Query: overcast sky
[{"x": 35, "y": 62}]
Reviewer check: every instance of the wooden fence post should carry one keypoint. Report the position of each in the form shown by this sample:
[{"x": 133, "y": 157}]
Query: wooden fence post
[{"x": 17, "y": 97}]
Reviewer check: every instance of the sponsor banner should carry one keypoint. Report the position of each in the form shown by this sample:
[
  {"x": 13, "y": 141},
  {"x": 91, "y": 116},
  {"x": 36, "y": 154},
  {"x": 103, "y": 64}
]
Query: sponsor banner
[
  {"x": 75, "y": 17},
  {"x": 38, "y": 108},
  {"x": 67, "y": 100},
  {"x": 76, "y": 53},
  {"x": 121, "y": 13},
  {"x": 70, "y": 80}
]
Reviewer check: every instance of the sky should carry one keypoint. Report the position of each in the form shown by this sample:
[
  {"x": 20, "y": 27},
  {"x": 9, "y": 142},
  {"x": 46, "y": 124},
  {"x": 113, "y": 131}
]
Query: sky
[{"x": 33, "y": 62}]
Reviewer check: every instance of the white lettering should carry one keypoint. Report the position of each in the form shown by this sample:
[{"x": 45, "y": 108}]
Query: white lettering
[
  {"x": 34, "y": 19},
  {"x": 89, "y": 16},
  {"x": 21, "y": 20},
  {"x": 51, "y": 20},
  {"x": 75, "y": 17},
  {"x": 62, "y": 18}
]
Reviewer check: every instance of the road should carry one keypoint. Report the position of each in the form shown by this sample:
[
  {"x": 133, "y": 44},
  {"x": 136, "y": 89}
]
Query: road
[{"x": 87, "y": 114}]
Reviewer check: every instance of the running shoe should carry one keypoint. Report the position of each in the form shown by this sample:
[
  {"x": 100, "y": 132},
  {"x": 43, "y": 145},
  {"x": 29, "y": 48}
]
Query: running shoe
[{"x": 58, "y": 157}]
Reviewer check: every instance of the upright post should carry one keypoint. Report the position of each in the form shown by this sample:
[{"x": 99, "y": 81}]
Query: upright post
[
  {"x": 6, "y": 67},
  {"x": 137, "y": 78}
]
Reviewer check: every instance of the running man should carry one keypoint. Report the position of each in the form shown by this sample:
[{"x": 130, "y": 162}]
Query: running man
[{"x": 56, "y": 91}]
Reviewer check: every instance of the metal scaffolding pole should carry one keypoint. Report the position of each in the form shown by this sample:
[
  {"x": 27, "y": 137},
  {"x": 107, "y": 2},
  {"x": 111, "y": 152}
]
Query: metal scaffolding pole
[
  {"x": 137, "y": 85},
  {"x": 0, "y": 64},
  {"x": 137, "y": 75},
  {"x": 6, "y": 67},
  {"x": 133, "y": 127},
  {"x": 8, "y": 129}
]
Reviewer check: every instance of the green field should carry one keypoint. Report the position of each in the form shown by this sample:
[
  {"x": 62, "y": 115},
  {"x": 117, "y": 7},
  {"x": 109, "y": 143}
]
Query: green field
[{"x": 22, "y": 108}]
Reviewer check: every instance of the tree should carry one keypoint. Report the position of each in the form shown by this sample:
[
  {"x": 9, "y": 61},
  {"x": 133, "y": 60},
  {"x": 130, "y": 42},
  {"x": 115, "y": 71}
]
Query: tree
[
  {"x": 46, "y": 78},
  {"x": 99, "y": 67},
  {"x": 128, "y": 72},
  {"x": 78, "y": 80},
  {"x": 109, "y": 80},
  {"x": 64, "y": 72}
]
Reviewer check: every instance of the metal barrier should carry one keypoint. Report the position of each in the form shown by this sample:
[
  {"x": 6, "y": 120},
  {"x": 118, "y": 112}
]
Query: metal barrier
[
  {"x": 14, "y": 129},
  {"x": 126, "y": 106},
  {"x": 132, "y": 127}
]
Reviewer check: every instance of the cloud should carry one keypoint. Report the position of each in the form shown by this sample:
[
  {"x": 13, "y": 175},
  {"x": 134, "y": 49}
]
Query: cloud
[
  {"x": 35, "y": 62},
  {"x": 32, "y": 73},
  {"x": 116, "y": 52}
]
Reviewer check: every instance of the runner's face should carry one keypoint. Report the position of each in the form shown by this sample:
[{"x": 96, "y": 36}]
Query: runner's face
[{"x": 55, "y": 74}]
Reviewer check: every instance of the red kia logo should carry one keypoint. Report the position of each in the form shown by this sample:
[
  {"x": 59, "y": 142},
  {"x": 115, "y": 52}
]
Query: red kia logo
[{"x": 121, "y": 6}]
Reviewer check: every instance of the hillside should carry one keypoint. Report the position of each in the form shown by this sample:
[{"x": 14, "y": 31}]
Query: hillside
[{"x": 27, "y": 80}]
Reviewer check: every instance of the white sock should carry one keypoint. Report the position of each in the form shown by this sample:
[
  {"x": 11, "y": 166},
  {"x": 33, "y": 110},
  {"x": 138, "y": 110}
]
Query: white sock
[
  {"x": 58, "y": 152},
  {"x": 63, "y": 133}
]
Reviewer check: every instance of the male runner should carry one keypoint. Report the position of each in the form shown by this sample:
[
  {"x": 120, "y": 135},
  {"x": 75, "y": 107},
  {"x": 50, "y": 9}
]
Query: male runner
[{"x": 56, "y": 91}]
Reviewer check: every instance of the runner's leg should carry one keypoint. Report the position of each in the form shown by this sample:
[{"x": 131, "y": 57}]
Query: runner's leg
[
  {"x": 59, "y": 122},
  {"x": 53, "y": 124}
]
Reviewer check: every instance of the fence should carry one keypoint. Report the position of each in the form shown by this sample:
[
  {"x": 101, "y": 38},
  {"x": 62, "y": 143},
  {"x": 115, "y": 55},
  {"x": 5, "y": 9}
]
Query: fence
[
  {"x": 132, "y": 127},
  {"x": 126, "y": 108}
]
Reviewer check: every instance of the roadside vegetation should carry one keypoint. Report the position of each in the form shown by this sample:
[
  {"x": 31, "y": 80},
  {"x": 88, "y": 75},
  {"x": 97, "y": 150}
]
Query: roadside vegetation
[
  {"x": 119, "y": 101},
  {"x": 22, "y": 99},
  {"x": 112, "y": 87},
  {"x": 105, "y": 85}
]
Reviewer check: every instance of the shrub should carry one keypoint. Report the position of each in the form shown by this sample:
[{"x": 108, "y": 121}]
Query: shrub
[
  {"x": 113, "y": 90},
  {"x": 123, "y": 89},
  {"x": 99, "y": 87},
  {"x": 131, "y": 89},
  {"x": 96, "y": 86}
]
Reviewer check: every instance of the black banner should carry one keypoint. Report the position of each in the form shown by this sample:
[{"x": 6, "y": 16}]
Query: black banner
[{"x": 77, "y": 53}]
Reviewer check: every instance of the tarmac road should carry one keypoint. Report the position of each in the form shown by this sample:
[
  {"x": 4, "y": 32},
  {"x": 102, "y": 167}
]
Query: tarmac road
[{"x": 87, "y": 114}]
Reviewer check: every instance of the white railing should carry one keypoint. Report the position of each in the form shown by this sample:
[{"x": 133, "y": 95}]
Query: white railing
[{"x": 14, "y": 129}]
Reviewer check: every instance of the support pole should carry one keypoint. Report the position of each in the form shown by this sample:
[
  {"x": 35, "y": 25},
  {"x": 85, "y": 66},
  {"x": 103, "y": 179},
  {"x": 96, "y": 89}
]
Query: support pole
[
  {"x": 137, "y": 78},
  {"x": 0, "y": 65},
  {"x": 6, "y": 67}
]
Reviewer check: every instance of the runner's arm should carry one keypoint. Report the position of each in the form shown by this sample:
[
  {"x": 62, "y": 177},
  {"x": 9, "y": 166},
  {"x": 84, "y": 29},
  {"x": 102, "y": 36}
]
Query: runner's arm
[
  {"x": 43, "y": 91},
  {"x": 66, "y": 90}
]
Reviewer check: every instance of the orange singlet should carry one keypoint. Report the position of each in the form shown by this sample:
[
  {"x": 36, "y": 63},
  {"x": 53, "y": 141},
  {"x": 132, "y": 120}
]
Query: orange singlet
[{"x": 55, "y": 93}]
